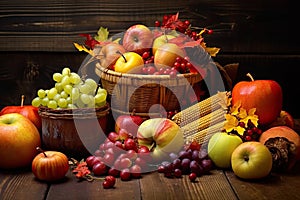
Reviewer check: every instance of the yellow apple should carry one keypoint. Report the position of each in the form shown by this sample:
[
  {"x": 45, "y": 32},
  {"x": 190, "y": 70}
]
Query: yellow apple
[
  {"x": 220, "y": 147},
  {"x": 251, "y": 160},
  {"x": 166, "y": 55},
  {"x": 159, "y": 41},
  {"x": 129, "y": 62},
  {"x": 161, "y": 135}
]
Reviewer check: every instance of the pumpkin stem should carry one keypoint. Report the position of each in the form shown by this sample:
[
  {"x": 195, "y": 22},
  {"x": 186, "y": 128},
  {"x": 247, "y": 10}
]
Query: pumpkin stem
[
  {"x": 41, "y": 150},
  {"x": 250, "y": 76}
]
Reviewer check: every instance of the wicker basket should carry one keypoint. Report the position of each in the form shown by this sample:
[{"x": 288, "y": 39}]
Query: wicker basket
[{"x": 145, "y": 95}]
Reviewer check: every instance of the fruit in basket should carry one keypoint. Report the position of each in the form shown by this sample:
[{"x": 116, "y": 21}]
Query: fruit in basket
[
  {"x": 70, "y": 91},
  {"x": 50, "y": 165},
  {"x": 160, "y": 40},
  {"x": 138, "y": 38},
  {"x": 28, "y": 111},
  {"x": 165, "y": 55},
  {"x": 130, "y": 123},
  {"x": 18, "y": 140},
  {"x": 110, "y": 53},
  {"x": 220, "y": 148},
  {"x": 162, "y": 136},
  {"x": 129, "y": 62},
  {"x": 264, "y": 95},
  {"x": 251, "y": 160},
  {"x": 284, "y": 144}
]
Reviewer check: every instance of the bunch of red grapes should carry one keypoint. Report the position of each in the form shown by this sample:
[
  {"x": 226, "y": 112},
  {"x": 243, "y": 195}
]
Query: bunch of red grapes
[
  {"x": 192, "y": 161},
  {"x": 119, "y": 155}
]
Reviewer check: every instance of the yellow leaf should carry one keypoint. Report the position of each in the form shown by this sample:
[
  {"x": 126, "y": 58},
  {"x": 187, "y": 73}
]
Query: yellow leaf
[
  {"x": 82, "y": 48},
  {"x": 235, "y": 108},
  {"x": 231, "y": 123},
  {"x": 102, "y": 34},
  {"x": 240, "y": 130},
  {"x": 243, "y": 113},
  {"x": 213, "y": 51}
]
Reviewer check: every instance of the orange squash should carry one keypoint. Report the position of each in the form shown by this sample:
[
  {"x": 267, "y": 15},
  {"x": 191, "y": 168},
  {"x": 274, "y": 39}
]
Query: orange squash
[{"x": 287, "y": 133}]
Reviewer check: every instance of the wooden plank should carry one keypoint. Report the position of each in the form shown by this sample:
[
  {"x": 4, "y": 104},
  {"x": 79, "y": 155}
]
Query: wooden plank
[
  {"x": 21, "y": 184},
  {"x": 275, "y": 186},
  {"x": 53, "y": 26},
  {"x": 72, "y": 189},
  {"x": 212, "y": 186}
]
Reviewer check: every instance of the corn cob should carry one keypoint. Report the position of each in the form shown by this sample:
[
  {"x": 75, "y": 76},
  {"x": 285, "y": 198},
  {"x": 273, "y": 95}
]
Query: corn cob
[
  {"x": 204, "y": 135},
  {"x": 204, "y": 122},
  {"x": 202, "y": 108}
]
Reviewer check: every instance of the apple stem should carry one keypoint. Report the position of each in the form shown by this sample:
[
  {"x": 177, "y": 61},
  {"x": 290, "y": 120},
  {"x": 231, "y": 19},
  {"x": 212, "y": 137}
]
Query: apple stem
[
  {"x": 122, "y": 55},
  {"x": 22, "y": 100},
  {"x": 250, "y": 76},
  {"x": 42, "y": 151}
]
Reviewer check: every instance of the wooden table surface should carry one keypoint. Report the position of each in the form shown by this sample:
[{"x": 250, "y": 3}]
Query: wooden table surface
[{"x": 21, "y": 184}]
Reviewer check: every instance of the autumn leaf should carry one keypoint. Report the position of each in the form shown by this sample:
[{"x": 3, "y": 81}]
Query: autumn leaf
[
  {"x": 234, "y": 110},
  {"x": 83, "y": 48},
  {"x": 250, "y": 116},
  {"x": 231, "y": 123},
  {"x": 102, "y": 34},
  {"x": 213, "y": 51}
]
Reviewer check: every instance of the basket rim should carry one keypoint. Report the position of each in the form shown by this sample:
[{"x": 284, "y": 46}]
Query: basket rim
[{"x": 101, "y": 69}]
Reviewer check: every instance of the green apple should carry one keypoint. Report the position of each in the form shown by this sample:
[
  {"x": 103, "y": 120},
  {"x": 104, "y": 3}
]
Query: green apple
[
  {"x": 220, "y": 147},
  {"x": 251, "y": 160},
  {"x": 162, "y": 136},
  {"x": 19, "y": 138},
  {"x": 129, "y": 62},
  {"x": 159, "y": 41}
]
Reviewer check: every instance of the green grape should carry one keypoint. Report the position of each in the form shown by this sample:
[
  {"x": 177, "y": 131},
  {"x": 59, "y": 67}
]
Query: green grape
[
  {"x": 102, "y": 90},
  {"x": 66, "y": 71},
  {"x": 68, "y": 89},
  {"x": 36, "y": 102},
  {"x": 56, "y": 97},
  {"x": 63, "y": 94},
  {"x": 75, "y": 78},
  {"x": 91, "y": 83},
  {"x": 62, "y": 103},
  {"x": 75, "y": 93},
  {"x": 52, "y": 104},
  {"x": 52, "y": 92},
  {"x": 57, "y": 77},
  {"x": 58, "y": 87},
  {"x": 47, "y": 91},
  {"x": 99, "y": 98},
  {"x": 85, "y": 98},
  {"x": 71, "y": 106},
  {"x": 41, "y": 93},
  {"x": 79, "y": 103},
  {"x": 65, "y": 80},
  {"x": 45, "y": 101},
  {"x": 85, "y": 89},
  {"x": 69, "y": 100}
]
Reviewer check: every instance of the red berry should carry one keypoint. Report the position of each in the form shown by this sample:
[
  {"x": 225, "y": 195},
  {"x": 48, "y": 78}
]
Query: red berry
[
  {"x": 187, "y": 22},
  {"x": 125, "y": 175},
  {"x": 157, "y": 23},
  {"x": 192, "y": 176},
  {"x": 146, "y": 55},
  {"x": 177, "y": 173},
  {"x": 210, "y": 31}
]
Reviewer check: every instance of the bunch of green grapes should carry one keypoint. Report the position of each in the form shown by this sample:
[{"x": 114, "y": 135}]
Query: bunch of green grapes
[{"x": 70, "y": 91}]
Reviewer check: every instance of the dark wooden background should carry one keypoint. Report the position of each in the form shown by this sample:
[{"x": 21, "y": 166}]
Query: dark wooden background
[{"x": 36, "y": 38}]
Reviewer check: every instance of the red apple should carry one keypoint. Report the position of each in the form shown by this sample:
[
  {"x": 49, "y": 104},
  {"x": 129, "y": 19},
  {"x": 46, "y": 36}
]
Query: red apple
[
  {"x": 28, "y": 111},
  {"x": 166, "y": 54},
  {"x": 264, "y": 95},
  {"x": 19, "y": 138},
  {"x": 129, "y": 62},
  {"x": 110, "y": 53},
  {"x": 130, "y": 123},
  {"x": 138, "y": 38},
  {"x": 50, "y": 166}
]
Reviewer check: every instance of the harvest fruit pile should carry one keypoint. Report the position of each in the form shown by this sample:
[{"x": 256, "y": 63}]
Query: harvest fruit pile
[{"x": 245, "y": 129}]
